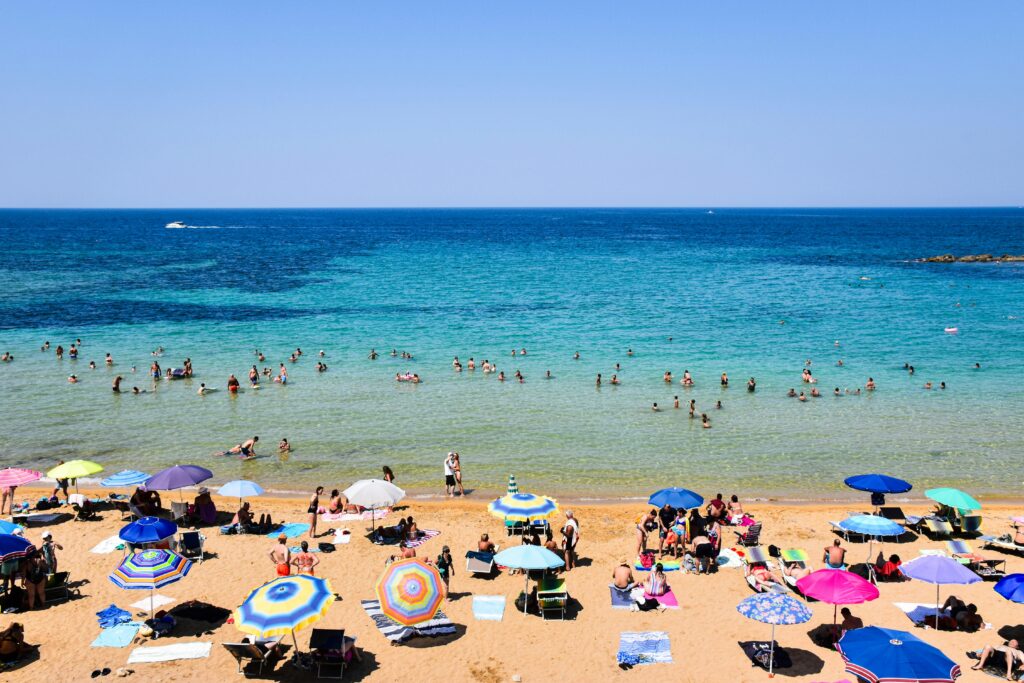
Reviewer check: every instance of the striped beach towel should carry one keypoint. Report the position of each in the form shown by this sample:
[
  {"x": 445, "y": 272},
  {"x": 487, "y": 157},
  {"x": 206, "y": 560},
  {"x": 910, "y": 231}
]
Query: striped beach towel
[
  {"x": 644, "y": 647},
  {"x": 438, "y": 626},
  {"x": 666, "y": 565},
  {"x": 425, "y": 535}
]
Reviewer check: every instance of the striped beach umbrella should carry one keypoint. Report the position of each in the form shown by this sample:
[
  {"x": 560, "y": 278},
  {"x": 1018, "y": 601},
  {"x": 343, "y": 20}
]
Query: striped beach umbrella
[
  {"x": 14, "y": 547},
  {"x": 284, "y": 605},
  {"x": 125, "y": 479},
  {"x": 15, "y": 476},
  {"x": 410, "y": 591},
  {"x": 513, "y": 487},
  {"x": 523, "y": 507},
  {"x": 149, "y": 570}
]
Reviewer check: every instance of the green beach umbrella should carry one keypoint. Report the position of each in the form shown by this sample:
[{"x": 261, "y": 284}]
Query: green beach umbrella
[{"x": 954, "y": 498}]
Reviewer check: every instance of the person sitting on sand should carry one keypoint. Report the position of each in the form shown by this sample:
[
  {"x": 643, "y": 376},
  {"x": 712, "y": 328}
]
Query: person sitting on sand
[
  {"x": 407, "y": 552},
  {"x": 716, "y": 508},
  {"x": 281, "y": 556},
  {"x": 656, "y": 583},
  {"x": 1011, "y": 649},
  {"x": 203, "y": 507},
  {"x": 12, "y": 643},
  {"x": 622, "y": 576},
  {"x": 243, "y": 517},
  {"x": 734, "y": 510},
  {"x": 305, "y": 561},
  {"x": 412, "y": 532},
  {"x": 962, "y": 617},
  {"x": 335, "y": 506},
  {"x": 835, "y": 555},
  {"x": 484, "y": 545}
]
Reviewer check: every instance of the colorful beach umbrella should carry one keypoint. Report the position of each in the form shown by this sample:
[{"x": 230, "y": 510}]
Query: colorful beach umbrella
[
  {"x": 125, "y": 479},
  {"x": 177, "y": 477},
  {"x": 147, "y": 530},
  {"x": 940, "y": 570},
  {"x": 523, "y": 507},
  {"x": 240, "y": 488},
  {"x": 149, "y": 570},
  {"x": 1011, "y": 587},
  {"x": 11, "y": 477},
  {"x": 837, "y": 588},
  {"x": 513, "y": 487},
  {"x": 528, "y": 558},
  {"x": 284, "y": 605},
  {"x": 881, "y": 655},
  {"x": 75, "y": 469},
  {"x": 410, "y": 591},
  {"x": 374, "y": 494},
  {"x": 14, "y": 547},
  {"x": 680, "y": 499},
  {"x": 954, "y": 498},
  {"x": 777, "y": 609}
]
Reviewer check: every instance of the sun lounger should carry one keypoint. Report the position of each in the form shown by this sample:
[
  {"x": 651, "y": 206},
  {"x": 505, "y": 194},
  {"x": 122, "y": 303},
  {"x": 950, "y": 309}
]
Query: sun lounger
[
  {"x": 987, "y": 568},
  {"x": 480, "y": 563},
  {"x": 753, "y": 557},
  {"x": 255, "y": 655},
  {"x": 190, "y": 545},
  {"x": 892, "y": 513},
  {"x": 937, "y": 528},
  {"x": 552, "y": 598},
  {"x": 329, "y": 647},
  {"x": 750, "y": 536},
  {"x": 792, "y": 557},
  {"x": 840, "y": 530},
  {"x": 1003, "y": 543}
]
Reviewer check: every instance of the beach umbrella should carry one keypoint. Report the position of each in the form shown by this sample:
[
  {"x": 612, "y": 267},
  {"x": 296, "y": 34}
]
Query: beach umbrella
[
  {"x": 177, "y": 477},
  {"x": 528, "y": 558},
  {"x": 873, "y": 527},
  {"x": 9, "y": 527},
  {"x": 147, "y": 530},
  {"x": 877, "y": 483},
  {"x": 513, "y": 487},
  {"x": 522, "y": 507},
  {"x": 1011, "y": 587},
  {"x": 125, "y": 479},
  {"x": 11, "y": 477},
  {"x": 240, "y": 488},
  {"x": 837, "y": 588},
  {"x": 881, "y": 655},
  {"x": 954, "y": 498},
  {"x": 940, "y": 570},
  {"x": 149, "y": 570},
  {"x": 373, "y": 494},
  {"x": 680, "y": 499},
  {"x": 776, "y": 609},
  {"x": 75, "y": 469},
  {"x": 14, "y": 547},
  {"x": 284, "y": 605},
  {"x": 410, "y": 591}
]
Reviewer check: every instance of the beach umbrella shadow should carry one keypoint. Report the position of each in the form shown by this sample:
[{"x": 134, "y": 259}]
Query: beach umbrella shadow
[
  {"x": 434, "y": 641},
  {"x": 1012, "y": 632}
]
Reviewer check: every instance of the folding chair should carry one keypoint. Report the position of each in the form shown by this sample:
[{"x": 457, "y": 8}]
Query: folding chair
[
  {"x": 750, "y": 536},
  {"x": 987, "y": 568},
  {"x": 261, "y": 654},
  {"x": 480, "y": 562},
  {"x": 552, "y": 598},
  {"x": 179, "y": 510},
  {"x": 328, "y": 647},
  {"x": 190, "y": 545}
]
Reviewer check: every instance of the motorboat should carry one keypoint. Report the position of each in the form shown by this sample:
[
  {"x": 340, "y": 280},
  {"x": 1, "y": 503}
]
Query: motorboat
[{"x": 176, "y": 224}]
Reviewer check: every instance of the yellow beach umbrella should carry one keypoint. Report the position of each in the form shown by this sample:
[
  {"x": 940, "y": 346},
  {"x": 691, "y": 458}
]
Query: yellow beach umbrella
[{"x": 75, "y": 469}]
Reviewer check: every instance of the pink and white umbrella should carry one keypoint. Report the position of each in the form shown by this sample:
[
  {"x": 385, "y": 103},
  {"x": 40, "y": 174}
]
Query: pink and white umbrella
[{"x": 14, "y": 476}]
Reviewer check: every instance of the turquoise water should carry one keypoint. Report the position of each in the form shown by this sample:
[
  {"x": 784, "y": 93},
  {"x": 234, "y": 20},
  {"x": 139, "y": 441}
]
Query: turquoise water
[{"x": 480, "y": 283}]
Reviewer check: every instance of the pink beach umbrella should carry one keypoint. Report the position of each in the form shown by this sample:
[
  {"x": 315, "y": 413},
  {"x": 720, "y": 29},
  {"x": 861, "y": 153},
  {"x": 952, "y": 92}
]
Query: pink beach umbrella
[
  {"x": 11, "y": 477},
  {"x": 837, "y": 588}
]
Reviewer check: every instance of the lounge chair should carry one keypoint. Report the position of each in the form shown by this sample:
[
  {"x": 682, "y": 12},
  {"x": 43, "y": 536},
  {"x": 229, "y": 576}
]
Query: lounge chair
[
  {"x": 792, "y": 557},
  {"x": 521, "y": 528},
  {"x": 987, "y": 568},
  {"x": 249, "y": 654},
  {"x": 552, "y": 598},
  {"x": 894, "y": 514},
  {"x": 755, "y": 556},
  {"x": 329, "y": 647},
  {"x": 190, "y": 545},
  {"x": 480, "y": 563},
  {"x": 750, "y": 536},
  {"x": 58, "y": 587},
  {"x": 123, "y": 507},
  {"x": 1002, "y": 543}
]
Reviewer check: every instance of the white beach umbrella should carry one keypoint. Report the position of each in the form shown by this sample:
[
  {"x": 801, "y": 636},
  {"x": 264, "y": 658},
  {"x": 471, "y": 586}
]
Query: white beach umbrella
[{"x": 373, "y": 494}]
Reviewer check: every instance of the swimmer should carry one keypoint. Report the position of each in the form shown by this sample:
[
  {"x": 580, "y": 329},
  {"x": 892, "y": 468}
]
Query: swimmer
[
  {"x": 655, "y": 408},
  {"x": 705, "y": 423},
  {"x": 942, "y": 385},
  {"x": 724, "y": 381},
  {"x": 232, "y": 384},
  {"x": 667, "y": 377},
  {"x": 870, "y": 386},
  {"x": 675, "y": 402},
  {"x": 836, "y": 392},
  {"x": 598, "y": 381},
  {"x": 576, "y": 356},
  {"x": 815, "y": 393},
  {"x": 261, "y": 358},
  {"x": 109, "y": 360},
  {"x": 203, "y": 389},
  {"x": 802, "y": 397},
  {"x": 72, "y": 379},
  {"x": 839, "y": 362},
  {"x": 927, "y": 385},
  {"x": 321, "y": 354},
  {"x": 615, "y": 379},
  {"x": 133, "y": 368},
  {"x": 92, "y": 365},
  {"x": 471, "y": 364},
  {"x": 136, "y": 391},
  {"x": 977, "y": 366},
  {"x": 718, "y": 405},
  {"x": 618, "y": 368},
  {"x": 7, "y": 357},
  {"x": 284, "y": 446},
  {"x": 245, "y": 450},
  {"x": 693, "y": 408},
  {"x": 910, "y": 370},
  {"x": 687, "y": 380},
  {"x": 60, "y": 353},
  {"x": 373, "y": 354},
  {"x": 522, "y": 351},
  {"x": 791, "y": 393},
  {"x": 116, "y": 387},
  {"x": 751, "y": 385},
  {"x": 548, "y": 375},
  {"x": 629, "y": 352},
  {"x": 394, "y": 353},
  {"x": 501, "y": 376},
  {"x": 254, "y": 377},
  {"x": 46, "y": 346}
]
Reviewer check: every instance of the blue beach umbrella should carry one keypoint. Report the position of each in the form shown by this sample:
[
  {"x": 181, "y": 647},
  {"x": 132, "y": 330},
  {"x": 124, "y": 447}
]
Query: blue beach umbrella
[
  {"x": 1011, "y": 587},
  {"x": 880, "y": 655},
  {"x": 147, "y": 530},
  {"x": 680, "y": 499},
  {"x": 877, "y": 483},
  {"x": 14, "y": 547},
  {"x": 776, "y": 609},
  {"x": 871, "y": 525},
  {"x": 125, "y": 479},
  {"x": 528, "y": 557},
  {"x": 9, "y": 527},
  {"x": 240, "y": 488}
]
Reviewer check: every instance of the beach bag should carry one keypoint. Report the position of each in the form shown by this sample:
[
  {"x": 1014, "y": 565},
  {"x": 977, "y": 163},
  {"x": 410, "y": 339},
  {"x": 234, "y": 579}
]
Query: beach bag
[
  {"x": 647, "y": 559},
  {"x": 326, "y": 547},
  {"x": 647, "y": 605}
]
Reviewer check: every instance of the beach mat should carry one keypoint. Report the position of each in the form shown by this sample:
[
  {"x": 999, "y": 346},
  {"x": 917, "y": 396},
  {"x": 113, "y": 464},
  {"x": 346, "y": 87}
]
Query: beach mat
[
  {"x": 668, "y": 600},
  {"x": 293, "y": 530},
  {"x": 621, "y": 598},
  {"x": 759, "y": 652},
  {"x": 667, "y": 565},
  {"x": 366, "y": 516},
  {"x": 107, "y": 545},
  {"x": 643, "y": 647},
  {"x": 729, "y": 558},
  {"x": 169, "y": 653},
  {"x": 425, "y": 535},
  {"x": 918, "y": 612},
  {"x": 438, "y": 626},
  {"x": 158, "y": 602},
  {"x": 488, "y": 607},
  {"x": 121, "y": 635}
]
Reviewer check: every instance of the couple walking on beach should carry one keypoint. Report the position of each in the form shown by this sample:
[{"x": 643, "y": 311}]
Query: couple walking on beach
[{"x": 453, "y": 474}]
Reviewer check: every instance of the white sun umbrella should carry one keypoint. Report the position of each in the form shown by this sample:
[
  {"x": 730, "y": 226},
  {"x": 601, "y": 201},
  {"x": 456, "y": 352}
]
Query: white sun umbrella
[{"x": 373, "y": 494}]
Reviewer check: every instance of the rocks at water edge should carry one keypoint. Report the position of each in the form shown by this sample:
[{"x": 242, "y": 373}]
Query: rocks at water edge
[{"x": 973, "y": 258}]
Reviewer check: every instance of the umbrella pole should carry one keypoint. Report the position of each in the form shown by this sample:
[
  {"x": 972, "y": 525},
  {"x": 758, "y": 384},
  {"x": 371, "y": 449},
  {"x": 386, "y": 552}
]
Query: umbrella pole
[
  {"x": 151, "y": 604},
  {"x": 936, "y": 607},
  {"x": 295, "y": 642},
  {"x": 771, "y": 654},
  {"x": 526, "y": 585}
]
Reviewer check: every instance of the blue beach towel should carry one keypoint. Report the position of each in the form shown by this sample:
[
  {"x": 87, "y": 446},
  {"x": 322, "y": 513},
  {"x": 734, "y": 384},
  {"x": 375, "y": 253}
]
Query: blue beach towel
[
  {"x": 488, "y": 607},
  {"x": 112, "y": 616},
  {"x": 298, "y": 549},
  {"x": 644, "y": 647},
  {"x": 121, "y": 635},
  {"x": 293, "y": 530}
]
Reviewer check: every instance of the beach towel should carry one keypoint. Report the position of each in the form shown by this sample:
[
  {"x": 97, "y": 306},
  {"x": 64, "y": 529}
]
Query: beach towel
[
  {"x": 107, "y": 545},
  {"x": 121, "y": 635},
  {"x": 643, "y": 647},
  {"x": 293, "y": 530},
  {"x": 396, "y": 633},
  {"x": 298, "y": 549},
  {"x": 668, "y": 600},
  {"x": 366, "y": 515},
  {"x": 342, "y": 536},
  {"x": 112, "y": 616},
  {"x": 169, "y": 653},
  {"x": 666, "y": 565},
  {"x": 488, "y": 607},
  {"x": 918, "y": 612},
  {"x": 424, "y": 536},
  {"x": 621, "y": 598},
  {"x": 158, "y": 602},
  {"x": 760, "y": 652},
  {"x": 730, "y": 558}
]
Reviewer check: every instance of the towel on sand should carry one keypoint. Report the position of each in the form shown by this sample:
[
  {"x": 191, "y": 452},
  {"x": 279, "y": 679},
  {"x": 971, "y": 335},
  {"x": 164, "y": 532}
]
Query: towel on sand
[
  {"x": 158, "y": 602},
  {"x": 488, "y": 607},
  {"x": 644, "y": 647},
  {"x": 668, "y": 600},
  {"x": 293, "y": 530},
  {"x": 342, "y": 536},
  {"x": 169, "y": 653},
  {"x": 918, "y": 612},
  {"x": 366, "y": 515},
  {"x": 121, "y": 635},
  {"x": 666, "y": 565},
  {"x": 396, "y": 633},
  {"x": 107, "y": 545},
  {"x": 112, "y": 616}
]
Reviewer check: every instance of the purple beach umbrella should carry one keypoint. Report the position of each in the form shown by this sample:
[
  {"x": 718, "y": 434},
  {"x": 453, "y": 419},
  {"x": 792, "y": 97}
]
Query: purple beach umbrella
[
  {"x": 177, "y": 477},
  {"x": 940, "y": 570}
]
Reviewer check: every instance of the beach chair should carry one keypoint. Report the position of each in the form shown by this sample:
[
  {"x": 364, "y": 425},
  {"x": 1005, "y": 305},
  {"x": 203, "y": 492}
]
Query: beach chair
[
  {"x": 757, "y": 556},
  {"x": 328, "y": 647},
  {"x": 750, "y": 536},
  {"x": 521, "y": 528},
  {"x": 894, "y": 514},
  {"x": 58, "y": 587},
  {"x": 552, "y": 598},
  {"x": 123, "y": 507},
  {"x": 1002, "y": 543},
  {"x": 987, "y": 568},
  {"x": 479, "y": 563},
  {"x": 969, "y": 525},
  {"x": 190, "y": 545},
  {"x": 179, "y": 510},
  {"x": 792, "y": 557},
  {"x": 252, "y": 656},
  {"x": 938, "y": 528}
]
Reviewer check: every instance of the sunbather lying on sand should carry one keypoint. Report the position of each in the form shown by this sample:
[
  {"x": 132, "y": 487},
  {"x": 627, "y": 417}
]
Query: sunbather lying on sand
[{"x": 1010, "y": 650}]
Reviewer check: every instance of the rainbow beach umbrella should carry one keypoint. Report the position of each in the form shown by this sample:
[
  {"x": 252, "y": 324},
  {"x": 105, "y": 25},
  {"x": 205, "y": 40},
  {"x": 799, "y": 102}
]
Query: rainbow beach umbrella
[
  {"x": 410, "y": 591},
  {"x": 523, "y": 507},
  {"x": 149, "y": 570},
  {"x": 283, "y": 605}
]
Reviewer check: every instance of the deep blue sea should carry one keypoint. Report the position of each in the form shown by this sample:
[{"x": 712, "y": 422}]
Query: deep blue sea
[{"x": 748, "y": 292}]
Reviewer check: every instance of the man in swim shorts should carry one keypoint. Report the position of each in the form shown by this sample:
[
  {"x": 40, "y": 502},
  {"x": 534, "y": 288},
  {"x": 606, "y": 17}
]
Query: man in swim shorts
[{"x": 281, "y": 556}]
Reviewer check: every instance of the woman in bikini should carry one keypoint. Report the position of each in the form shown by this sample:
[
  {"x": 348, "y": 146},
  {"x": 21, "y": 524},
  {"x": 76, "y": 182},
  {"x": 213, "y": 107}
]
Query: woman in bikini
[
  {"x": 457, "y": 467},
  {"x": 335, "y": 506},
  {"x": 304, "y": 561},
  {"x": 314, "y": 510},
  {"x": 389, "y": 476}
]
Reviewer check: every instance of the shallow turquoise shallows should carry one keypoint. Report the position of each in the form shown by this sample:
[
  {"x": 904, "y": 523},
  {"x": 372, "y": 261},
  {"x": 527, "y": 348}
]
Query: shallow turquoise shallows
[{"x": 754, "y": 293}]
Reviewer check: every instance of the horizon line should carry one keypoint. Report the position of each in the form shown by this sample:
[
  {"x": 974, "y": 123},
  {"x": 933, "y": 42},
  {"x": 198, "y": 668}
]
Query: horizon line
[{"x": 496, "y": 207}]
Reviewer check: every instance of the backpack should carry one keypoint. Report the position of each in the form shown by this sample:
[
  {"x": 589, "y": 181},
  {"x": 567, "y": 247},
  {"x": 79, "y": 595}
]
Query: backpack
[{"x": 647, "y": 559}]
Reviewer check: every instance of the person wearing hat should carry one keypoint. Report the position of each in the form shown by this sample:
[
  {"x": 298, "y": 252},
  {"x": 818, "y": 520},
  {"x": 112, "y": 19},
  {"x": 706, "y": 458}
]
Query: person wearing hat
[
  {"x": 446, "y": 568},
  {"x": 49, "y": 550},
  {"x": 203, "y": 507}
]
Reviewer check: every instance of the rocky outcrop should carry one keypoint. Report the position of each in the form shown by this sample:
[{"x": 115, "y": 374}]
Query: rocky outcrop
[{"x": 974, "y": 258}]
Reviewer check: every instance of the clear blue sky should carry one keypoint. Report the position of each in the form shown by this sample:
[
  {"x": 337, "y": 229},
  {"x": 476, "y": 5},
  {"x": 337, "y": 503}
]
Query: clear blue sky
[{"x": 511, "y": 104}]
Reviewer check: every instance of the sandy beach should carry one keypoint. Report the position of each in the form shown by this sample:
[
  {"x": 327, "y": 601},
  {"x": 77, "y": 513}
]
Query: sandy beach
[{"x": 704, "y": 633}]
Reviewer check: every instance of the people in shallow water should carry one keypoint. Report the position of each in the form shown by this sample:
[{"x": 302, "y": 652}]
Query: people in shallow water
[
  {"x": 791, "y": 393},
  {"x": 751, "y": 385},
  {"x": 705, "y": 423},
  {"x": 870, "y": 386},
  {"x": 655, "y": 407},
  {"x": 232, "y": 384}
]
